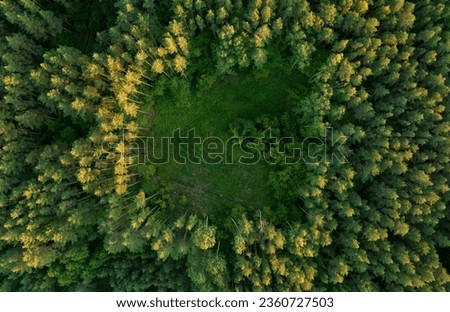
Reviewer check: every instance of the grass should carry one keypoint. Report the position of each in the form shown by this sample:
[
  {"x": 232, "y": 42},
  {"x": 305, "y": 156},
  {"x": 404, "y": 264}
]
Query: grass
[{"x": 210, "y": 111}]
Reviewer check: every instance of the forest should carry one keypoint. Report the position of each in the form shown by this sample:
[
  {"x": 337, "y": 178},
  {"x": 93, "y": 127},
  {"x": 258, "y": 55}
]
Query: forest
[{"x": 83, "y": 82}]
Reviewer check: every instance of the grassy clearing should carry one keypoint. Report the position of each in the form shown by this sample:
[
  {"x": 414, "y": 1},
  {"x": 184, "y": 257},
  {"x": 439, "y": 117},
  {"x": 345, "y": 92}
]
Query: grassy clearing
[{"x": 210, "y": 111}]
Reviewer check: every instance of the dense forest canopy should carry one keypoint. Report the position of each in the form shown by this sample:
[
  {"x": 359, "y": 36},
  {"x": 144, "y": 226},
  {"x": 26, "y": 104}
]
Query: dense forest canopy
[{"x": 83, "y": 82}]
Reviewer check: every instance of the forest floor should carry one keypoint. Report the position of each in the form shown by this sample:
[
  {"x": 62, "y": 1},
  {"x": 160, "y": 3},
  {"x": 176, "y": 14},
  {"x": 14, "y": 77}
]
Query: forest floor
[{"x": 210, "y": 111}]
